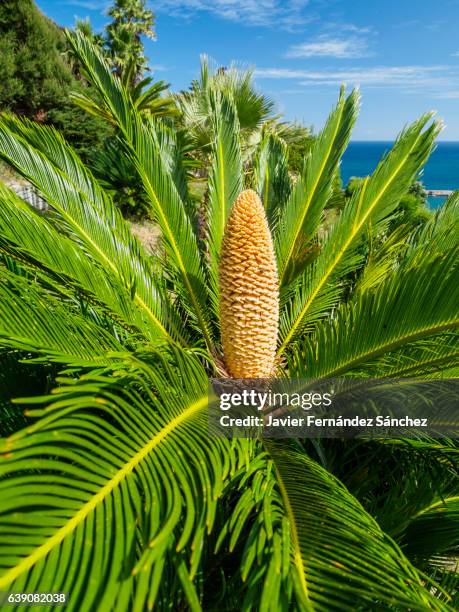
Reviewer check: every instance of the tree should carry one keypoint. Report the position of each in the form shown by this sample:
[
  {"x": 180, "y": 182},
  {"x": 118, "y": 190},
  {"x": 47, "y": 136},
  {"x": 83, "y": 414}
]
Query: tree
[
  {"x": 115, "y": 491},
  {"x": 253, "y": 108},
  {"x": 36, "y": 78},
  {"x": 412, "y": 210},
  {"x": 130, "y": 21},
  {"x": 34, "y": 75}
]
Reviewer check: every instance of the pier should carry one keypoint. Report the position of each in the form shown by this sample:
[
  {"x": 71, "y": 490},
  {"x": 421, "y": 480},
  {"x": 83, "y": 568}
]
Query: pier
[{"x": 439, "y": 193}]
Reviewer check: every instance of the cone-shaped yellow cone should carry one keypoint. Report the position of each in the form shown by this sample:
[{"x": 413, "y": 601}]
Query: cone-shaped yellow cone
[{"x": 249, "y": 291}]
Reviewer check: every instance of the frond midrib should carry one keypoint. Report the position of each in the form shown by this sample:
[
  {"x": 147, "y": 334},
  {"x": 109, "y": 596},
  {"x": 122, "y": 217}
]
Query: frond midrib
[
  {"x": 427, "y": 363},
  {"x": 298, "y": 559},
  {"x": 90, "y": 506},
  {"x": 198, "y": 310},
  {"x": 437, "y": 504},
  {"x": 103, "y": 256},
  {"x": 393, "y": 345},
  {"x": 310, "y": 197},
  {"x": 356, "y": 227}
]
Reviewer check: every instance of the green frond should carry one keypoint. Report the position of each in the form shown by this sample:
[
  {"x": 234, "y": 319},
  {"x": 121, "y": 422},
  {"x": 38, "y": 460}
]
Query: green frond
[
  {"x": 112, "y": 487},
  {"x": 177, "y": 232},
  {"x": 343, "y": 559},
  {"x": 117, "y": 475},
  {"x": 370, "y": 206},
  {"x": 115, "y": 101},
  {"x": 84, "y": 213},
  {"x": 147, "y": 145},
  {"x": 433, "y": 533},
  {"x": 439, "y": 234},
  {"x": 173, "y": 148},
  {"x": 376, "y": 334},
  {"x": 382, "y": 259},
  {"x": 225, "y": 180},
  {"x": 91, "y": 107},
  {"x": 259, "y": 533},
  {"x": 29, "y": 238},
  {"x": 271, "y": 179},
  {"x": 31, "y": 320},
  {"x": 147, "y": 98},
  {"x": 301, "y": 216}
]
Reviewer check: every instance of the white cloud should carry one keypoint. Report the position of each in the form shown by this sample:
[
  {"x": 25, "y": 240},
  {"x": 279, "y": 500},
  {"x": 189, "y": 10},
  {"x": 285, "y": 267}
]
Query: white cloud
[
  {"x": 340, "y": 48},
  {"x": 280, "y": 13},
  {"x": 90, "y": 5},
  {"x": 438, "y": 81},
  {"x": 448, "y": 95},
  {"x": 350, "y": 27},
  {"x": 159, "y": 68}
]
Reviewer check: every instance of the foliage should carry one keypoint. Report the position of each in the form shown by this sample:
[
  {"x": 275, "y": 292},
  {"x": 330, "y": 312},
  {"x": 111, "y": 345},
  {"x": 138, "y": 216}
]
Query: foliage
[
  {"x": 130, "y": 21},
  {"x": 412, "y": 209},
  {"x": 114, "y": 491},
  {"x": 298, "y": 147},
  {"x": 254, "y": 110},
  {"x": 123, "y": 48},
  {"x": 37, "y": 80},
  {"x": 34, "y": 75}
]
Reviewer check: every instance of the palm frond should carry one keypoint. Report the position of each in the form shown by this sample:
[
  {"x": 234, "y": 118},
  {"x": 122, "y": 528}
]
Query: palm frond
[
  {"x": 370, "y": 206},
  {"x": 302, "y": 213},
  {"x": 151, "y": 162},
  {"x": 225, "y": 180},
  {"x": 29, "y": 238},
  {"x": 271, "y": 179},
  {"x": 116, "y": 460},
  {"x": 433, "y": 533},
  {"x": 382, "y": 258},
  {"x": 259, "y": 533},
  {"x": 84, "y": 213},
  {"x": 31, "y": 320},
  {"x": 439, "y": 234},
  {"x": 377, "y": 333},
  {"x": 343, "y": 559},
  {"x": 178, "y": 235},
  {"x": 115, "y": 102},
  {"x": 173, "y": 147}
]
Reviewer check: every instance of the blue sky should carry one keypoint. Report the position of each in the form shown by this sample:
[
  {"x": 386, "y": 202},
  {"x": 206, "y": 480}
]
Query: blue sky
[{"x": 404, "y": 54}]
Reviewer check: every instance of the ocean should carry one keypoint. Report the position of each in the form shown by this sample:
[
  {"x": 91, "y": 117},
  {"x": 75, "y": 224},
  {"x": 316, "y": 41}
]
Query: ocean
[{"x": 440, "y": 172}]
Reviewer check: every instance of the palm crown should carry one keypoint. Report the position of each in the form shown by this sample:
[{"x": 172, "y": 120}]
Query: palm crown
[{"x": 113, "y": 491}]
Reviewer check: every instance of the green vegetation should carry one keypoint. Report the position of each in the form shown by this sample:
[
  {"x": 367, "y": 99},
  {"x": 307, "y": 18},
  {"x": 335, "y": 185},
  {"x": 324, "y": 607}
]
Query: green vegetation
[
  {"x": 111, "y": 488},
  {"x": 33, "y": 73},
  {"x": 36, "y": 80},
  {"x": 412, "y": 209},
  {"x": 130, "y": 21},
  {"x": 255, "y": 114}
]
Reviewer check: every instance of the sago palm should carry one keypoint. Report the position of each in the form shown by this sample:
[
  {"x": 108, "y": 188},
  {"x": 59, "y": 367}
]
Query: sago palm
[{"x": 111, "y": 488}]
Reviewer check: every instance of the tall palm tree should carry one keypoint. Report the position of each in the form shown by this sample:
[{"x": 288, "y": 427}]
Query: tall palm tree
[
  {"x": 130, "y": 21},
  {"x": 112, "y": 490}
]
